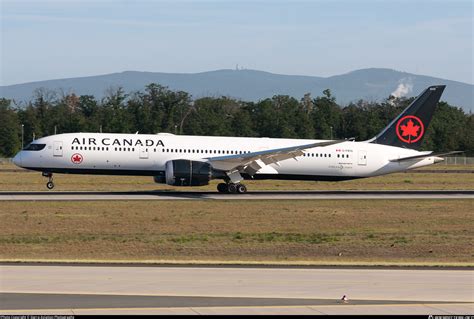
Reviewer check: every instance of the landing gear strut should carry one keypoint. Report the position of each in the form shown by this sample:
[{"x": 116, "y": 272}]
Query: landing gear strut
[
  {"x": 49, "y": 184},
  {"x": 231, "y": 188}
]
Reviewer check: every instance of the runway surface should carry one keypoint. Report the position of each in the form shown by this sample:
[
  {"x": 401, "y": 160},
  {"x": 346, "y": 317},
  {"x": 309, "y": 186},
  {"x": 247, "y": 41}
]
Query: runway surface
[
  {"x": 51, "y": 289},
  {"x": 261, "y": 195}
]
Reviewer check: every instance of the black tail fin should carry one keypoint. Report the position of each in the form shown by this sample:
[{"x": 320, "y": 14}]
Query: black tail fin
[{"x": 408, "y": 129}]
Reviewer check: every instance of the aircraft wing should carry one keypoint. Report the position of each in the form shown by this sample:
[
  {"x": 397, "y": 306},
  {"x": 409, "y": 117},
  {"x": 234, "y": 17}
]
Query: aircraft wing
[
  {"x": 421, "y": 156},
  {"x": 252, "y": 162}
]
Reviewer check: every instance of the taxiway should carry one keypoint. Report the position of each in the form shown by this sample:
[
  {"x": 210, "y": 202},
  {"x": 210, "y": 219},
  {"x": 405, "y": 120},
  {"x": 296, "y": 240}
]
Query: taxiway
[
  {"x": 59, "y": 289},
  {"x": 252, "y": 195}
]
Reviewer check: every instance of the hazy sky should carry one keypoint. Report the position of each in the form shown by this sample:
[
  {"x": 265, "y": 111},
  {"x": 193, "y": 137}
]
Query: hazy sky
[{"x": 55, "y": 39}]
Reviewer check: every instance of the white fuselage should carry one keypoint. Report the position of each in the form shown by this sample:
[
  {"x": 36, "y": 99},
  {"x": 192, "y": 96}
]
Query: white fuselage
[{"x": 140, "y": 154}]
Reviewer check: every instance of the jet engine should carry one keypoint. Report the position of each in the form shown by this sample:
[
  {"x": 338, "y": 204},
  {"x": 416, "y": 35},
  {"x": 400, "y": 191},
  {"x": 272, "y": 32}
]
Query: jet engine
[{"x": 190, "y": 173}]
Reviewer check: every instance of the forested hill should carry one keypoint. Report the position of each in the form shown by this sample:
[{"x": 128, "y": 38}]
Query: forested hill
[
  {"x": 158, "y": 109},
  {"x": 250, "y": 85}
]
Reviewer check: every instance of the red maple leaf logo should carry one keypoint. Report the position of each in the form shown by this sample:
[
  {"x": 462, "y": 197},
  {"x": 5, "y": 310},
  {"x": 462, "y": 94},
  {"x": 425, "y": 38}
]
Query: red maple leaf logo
[
  {"x": 76, "y": 158},
  {"x": 410, "y": 129}
]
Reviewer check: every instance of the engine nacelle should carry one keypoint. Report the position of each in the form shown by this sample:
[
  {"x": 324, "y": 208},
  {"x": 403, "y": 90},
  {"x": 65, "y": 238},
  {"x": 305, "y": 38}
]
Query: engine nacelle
[{"x": 189, "y": 173}]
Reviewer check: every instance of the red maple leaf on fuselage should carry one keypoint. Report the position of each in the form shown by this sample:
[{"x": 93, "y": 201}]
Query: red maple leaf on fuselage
[
  {"x": 77, "y": 158},
  {"x": 410, "y": 129}
]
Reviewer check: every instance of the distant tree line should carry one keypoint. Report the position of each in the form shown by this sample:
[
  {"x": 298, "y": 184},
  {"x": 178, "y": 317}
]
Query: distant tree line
[{"x": 159, "y": 109}]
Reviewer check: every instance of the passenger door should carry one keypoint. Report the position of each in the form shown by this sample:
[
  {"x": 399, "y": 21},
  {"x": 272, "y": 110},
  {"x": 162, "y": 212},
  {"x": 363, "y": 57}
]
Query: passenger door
[
  {"x": 58, "y": 148},
  {"x": 362, "y": 158},
  {"x": 143, "y": 152}
]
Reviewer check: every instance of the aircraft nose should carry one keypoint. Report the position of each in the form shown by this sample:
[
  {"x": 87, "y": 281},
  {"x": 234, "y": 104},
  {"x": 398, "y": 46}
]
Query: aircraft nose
[{"x": 17, "y": 159}]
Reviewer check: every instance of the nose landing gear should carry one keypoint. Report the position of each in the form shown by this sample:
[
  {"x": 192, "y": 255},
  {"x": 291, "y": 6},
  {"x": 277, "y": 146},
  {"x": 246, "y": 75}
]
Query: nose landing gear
[
  {"x": 49, "y": 184},
  {"x": 231, "y": 188}
]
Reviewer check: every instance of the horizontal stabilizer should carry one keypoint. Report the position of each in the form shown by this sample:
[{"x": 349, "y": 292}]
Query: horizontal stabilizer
[{"x": 421, "y": 156}]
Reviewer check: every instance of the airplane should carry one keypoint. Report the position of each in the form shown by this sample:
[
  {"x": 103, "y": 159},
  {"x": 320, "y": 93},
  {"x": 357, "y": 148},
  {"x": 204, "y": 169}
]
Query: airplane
[{"x": 182, "y": 160}]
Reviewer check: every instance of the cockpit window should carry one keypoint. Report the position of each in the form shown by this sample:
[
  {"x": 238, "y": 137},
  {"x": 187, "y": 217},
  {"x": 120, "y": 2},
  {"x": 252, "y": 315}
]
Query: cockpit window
[{"x": 34, "y": 147}]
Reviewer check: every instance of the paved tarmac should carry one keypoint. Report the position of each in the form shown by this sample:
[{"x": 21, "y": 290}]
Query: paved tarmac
[
  {"x": 259, "y": 195},
  {"x": 48, "y": 289}
]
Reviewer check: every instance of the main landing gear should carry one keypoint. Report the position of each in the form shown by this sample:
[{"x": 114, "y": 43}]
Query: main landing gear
[
  {"x": 232, "y": 188},
  {"x": 49, "y": 184}
]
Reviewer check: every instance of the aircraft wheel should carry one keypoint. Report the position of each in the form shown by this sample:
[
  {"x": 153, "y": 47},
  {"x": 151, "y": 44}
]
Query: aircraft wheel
[
  {"x": 222, "y": 188},
  {"x": 50, "y": 185},
  {"x": 241, "y": 189},
  {"x": 232, "y": 188}
]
